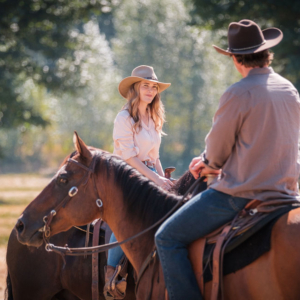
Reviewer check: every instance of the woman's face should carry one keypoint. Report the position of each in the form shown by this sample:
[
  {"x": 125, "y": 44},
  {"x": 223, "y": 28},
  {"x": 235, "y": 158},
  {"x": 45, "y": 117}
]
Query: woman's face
[{"x": 148, "y": 91}]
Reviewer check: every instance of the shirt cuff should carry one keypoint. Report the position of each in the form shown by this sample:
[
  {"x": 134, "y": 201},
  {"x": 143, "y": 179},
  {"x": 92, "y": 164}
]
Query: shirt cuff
[{"x": 206, "y": 161}]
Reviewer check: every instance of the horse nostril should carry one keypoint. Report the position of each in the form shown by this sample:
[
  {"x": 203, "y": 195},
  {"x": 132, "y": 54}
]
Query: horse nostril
[{"x": 20, "y": 226}]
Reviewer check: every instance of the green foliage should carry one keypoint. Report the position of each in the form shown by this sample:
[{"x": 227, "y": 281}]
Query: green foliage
[
  {"x": 35, "y": 42},
  {"x": 216, "y": 14},
  {"x": 90, "y": 111},
  {"x": 73, "y": 83},
  {"x": 156, "y": 33}
]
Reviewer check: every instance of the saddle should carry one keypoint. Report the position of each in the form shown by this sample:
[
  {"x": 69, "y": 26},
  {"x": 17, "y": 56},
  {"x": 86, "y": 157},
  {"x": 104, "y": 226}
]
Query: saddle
[{"x": 249, "y": 221}]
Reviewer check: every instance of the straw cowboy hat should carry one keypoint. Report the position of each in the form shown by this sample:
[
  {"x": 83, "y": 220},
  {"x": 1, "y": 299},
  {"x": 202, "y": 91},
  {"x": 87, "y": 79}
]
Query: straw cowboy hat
[
  {"x": 138, "y": 74},
  {"x": 245, "y": 37}
]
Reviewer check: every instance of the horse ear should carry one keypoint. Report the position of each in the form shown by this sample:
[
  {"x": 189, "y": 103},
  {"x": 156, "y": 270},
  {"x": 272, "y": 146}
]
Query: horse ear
[{"x": 81, "y": 147}]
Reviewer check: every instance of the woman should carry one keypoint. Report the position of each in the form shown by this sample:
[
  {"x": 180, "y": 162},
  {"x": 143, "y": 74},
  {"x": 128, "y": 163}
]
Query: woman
[{"x": 137, "y": 137}]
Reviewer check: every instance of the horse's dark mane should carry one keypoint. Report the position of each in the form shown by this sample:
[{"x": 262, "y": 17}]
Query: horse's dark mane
[
  {"x": 144, "y": 200},
  {"x": 183, "y": 183}
]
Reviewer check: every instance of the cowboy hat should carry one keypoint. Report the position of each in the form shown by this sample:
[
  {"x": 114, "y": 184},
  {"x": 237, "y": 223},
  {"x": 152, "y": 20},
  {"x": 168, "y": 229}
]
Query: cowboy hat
[
  {"x": 138, "y": 74},
  {"x": 245, "y": 37}
]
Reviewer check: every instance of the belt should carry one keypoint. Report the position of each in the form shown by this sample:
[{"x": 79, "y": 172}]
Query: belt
[{"x": 149, "y": 164}]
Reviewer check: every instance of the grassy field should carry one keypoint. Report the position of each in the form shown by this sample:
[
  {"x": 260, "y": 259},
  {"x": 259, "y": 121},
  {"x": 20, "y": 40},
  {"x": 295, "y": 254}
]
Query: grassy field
[{"x": 16, "y": 191}]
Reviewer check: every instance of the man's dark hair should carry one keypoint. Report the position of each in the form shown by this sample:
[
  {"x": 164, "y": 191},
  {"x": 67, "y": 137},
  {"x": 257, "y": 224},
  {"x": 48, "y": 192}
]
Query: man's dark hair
[{"x": 259, "y": 59}]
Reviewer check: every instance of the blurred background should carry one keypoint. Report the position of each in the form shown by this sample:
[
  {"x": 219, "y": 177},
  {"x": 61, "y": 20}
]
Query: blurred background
[{"x": 61, "y": 62}]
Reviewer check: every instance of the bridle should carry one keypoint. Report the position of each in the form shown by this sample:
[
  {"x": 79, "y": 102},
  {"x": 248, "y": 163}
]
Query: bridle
[
  {"x": 72, "y": 192},
  {"x": 101, "y": 248}
]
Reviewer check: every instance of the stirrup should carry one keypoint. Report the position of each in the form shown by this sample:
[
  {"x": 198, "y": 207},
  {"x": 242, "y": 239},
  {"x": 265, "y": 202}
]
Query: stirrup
[{"x": 114, "y": 288}]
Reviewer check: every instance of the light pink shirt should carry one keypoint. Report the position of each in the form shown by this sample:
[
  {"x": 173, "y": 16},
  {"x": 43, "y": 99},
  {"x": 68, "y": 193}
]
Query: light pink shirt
[{"x": 127, "y": 143}]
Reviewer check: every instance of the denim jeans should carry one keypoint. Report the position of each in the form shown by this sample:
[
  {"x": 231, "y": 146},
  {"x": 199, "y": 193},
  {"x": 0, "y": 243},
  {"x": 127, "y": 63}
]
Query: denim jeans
[
  {"x": 198, "y": 217},
  {"x": 115, "y": 254}
]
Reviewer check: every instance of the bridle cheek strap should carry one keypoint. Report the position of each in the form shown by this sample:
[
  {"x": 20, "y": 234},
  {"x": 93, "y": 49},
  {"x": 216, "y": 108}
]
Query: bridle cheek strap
[{"x": 72, "y": 192}]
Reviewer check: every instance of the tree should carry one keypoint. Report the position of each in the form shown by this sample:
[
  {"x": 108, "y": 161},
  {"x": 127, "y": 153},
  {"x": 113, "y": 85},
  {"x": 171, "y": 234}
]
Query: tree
[
  {"x": 156, "y": 33},
  {"x": 90, "y": 110},
  {"x": 216, "y": 14},
  {"x": 35, "y": 43}
]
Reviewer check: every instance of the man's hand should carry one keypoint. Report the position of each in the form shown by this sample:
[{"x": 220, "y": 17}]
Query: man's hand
[{"x": 197, "y": 166}]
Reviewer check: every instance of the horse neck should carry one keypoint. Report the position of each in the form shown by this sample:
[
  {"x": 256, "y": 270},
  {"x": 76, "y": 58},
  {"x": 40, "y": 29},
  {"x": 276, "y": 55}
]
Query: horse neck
[{"x": 115, "y": 214}]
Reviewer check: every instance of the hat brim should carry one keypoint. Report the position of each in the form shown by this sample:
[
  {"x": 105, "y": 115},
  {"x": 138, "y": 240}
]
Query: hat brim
[
  {"x": 272, "y": 36},
  {"x": 128, "y": 81}
]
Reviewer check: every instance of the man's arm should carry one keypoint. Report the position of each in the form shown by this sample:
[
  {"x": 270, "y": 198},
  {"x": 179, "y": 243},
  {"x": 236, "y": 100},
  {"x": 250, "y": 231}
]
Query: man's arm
[
  {"x": 222, "y": 137},
  {"x": 227, "y": 123}
]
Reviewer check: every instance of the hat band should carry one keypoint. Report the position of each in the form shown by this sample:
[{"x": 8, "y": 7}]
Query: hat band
[
  {"x": 240, "y": 49},
  {"x": 152, "y": 78}
]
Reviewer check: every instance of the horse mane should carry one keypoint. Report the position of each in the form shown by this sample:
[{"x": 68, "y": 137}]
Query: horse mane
[
  {"x": 183, "y": 183},
  {"x": 144, "y": 200}
]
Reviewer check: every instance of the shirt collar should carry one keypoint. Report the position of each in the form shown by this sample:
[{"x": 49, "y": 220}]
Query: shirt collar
[{"x": 261, "y": 71}]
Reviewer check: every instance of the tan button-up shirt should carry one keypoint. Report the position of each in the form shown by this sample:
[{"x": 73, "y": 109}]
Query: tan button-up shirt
[
  {"x": 143, "y": 144},
  {"x": 254, "y": 138}
]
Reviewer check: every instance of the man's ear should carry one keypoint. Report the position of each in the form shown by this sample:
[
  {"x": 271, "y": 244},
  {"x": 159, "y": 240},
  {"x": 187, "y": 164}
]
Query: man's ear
[{"x": 81, "y": 147}]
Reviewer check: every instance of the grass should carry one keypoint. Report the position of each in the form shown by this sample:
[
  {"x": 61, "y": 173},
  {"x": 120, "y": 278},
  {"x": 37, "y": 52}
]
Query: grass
[{"x": 16, "y": 192}]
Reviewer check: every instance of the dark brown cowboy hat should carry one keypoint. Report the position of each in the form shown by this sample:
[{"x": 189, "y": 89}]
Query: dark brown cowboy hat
[{"x": 245, "y": 37}]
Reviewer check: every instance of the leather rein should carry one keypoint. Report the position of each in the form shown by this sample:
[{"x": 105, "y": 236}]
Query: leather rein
[{"x": 90, "y": 171}]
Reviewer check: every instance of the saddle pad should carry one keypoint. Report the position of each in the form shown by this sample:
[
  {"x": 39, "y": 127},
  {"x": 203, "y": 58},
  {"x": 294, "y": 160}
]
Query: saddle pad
[{"x": 247, "y": 247}]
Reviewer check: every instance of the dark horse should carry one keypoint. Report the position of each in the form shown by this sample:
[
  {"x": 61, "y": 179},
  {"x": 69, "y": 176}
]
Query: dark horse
[
  {"x": 34, "y": 273},
  {"x": 275, "y": 275}
]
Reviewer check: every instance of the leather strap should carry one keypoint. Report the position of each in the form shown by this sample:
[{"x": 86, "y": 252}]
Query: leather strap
[
  {"x": 87, "y": 237},
  {"x": 144, "y": 266},
  {"x": 108, "y": 234},
  {"x": 196, "y": 253},
  {"x": 103, "y": 248},
  {"x": 95, "y": 259},
  {"x": 216, "y": 263}
]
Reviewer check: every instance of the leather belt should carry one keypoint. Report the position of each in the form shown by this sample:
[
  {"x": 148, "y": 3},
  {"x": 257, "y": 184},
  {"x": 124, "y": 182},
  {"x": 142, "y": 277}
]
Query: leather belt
[{"x": 149, "y": 164}]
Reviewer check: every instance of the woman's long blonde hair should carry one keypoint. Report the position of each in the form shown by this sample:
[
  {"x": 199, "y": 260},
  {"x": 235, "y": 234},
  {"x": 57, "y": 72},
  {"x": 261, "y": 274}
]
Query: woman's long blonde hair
[{"x": 156, "y": 108}]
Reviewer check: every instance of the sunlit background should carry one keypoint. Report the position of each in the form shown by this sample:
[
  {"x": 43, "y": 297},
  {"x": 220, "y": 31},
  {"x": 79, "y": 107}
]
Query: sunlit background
[{"x": 61, "y": 62}]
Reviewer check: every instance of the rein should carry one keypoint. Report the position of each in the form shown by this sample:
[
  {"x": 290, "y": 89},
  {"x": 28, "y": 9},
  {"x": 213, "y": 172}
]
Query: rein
[{"x": 101, "y": 248}]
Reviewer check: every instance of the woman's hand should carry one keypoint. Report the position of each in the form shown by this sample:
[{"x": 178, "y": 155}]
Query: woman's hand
[{"x": 163, "y": 182}]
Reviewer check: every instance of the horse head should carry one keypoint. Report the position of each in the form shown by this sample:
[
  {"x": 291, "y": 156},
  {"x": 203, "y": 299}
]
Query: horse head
[{"x": 64, "y": 202}]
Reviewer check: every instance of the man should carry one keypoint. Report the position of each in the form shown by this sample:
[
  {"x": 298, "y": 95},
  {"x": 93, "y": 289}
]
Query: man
[{"x": 252, "y": 145}]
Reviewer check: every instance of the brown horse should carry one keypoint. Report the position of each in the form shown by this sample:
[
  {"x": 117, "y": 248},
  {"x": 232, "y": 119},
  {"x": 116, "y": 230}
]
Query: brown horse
[
  {"x": 275, "y": 275},
  {"x": 33, "y": 273}
]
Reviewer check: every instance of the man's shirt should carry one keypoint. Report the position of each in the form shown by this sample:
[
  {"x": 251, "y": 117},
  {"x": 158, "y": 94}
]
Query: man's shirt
[{"x": 255, "y": 138}]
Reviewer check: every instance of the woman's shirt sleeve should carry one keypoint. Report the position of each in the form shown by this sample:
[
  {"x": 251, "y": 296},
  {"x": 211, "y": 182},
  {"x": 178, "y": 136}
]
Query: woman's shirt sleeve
[{"x": 123, "y": 135}]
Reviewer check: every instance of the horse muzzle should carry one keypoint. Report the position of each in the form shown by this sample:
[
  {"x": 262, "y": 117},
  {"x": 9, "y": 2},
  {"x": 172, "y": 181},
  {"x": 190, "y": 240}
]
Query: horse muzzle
[{"x": 29, "y": 236}]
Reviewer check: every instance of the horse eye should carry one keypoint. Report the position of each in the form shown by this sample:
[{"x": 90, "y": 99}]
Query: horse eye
[{"x": 62, "y": 180}]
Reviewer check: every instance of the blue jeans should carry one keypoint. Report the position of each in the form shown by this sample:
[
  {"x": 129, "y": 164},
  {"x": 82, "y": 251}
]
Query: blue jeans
[
  {"x": 198, "y": 217},
  {"x": 115, "y": 254}
]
